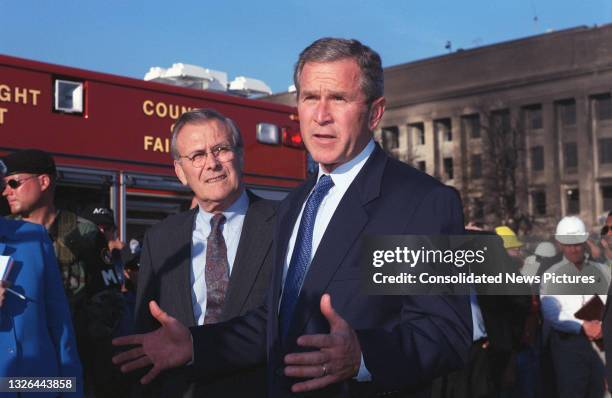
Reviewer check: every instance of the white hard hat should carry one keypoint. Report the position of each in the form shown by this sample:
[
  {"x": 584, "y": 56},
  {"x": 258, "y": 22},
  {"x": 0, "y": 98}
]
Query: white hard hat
[
  {"x": 545, "y": 249},
  {"x": 571, "y": 231}
]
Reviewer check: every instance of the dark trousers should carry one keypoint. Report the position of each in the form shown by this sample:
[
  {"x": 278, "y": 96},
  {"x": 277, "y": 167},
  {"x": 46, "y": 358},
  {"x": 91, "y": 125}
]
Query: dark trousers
[
  {"x": 480, "y": 378},
  {"x": 579, "y": 370}
]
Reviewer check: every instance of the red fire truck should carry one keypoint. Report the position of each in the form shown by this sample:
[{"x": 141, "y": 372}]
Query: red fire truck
[{"x": 110, "y": 137}]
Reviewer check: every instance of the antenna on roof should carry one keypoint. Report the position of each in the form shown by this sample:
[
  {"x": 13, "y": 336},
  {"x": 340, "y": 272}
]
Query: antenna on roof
[{"x": 535, "y": 16}]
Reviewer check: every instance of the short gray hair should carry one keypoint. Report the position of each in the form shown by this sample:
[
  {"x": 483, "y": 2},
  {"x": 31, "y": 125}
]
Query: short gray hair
[
  {"x": 330, "y": 49},
  {"x": 204, "y": 115},
  {"x": 2, "y": 169}
]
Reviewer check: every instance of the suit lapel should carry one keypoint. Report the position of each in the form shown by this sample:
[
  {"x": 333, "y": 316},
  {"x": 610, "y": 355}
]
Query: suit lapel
[
  {"x": 183, "y": 285},
  {"x": 285, "y": 220},
  {"x": 255, "y": 241},
  {"x": 342, "y": 235}
]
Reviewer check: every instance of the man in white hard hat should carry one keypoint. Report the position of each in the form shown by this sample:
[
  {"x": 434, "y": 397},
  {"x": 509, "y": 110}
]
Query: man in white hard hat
[{"x": 579, "y": 368}]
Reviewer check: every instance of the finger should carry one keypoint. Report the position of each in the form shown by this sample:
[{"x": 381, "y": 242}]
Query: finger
[
  {"x": 307, "y": 358},
  {"x": 159, "y": 314},
  {"x": 128, "y": 355},
  {"x": 136, "y": 364},
  {"x": 305, "y": 371},
  {"x": 335, "y": 320},
  {"x": 313, "y": 384},
  {"x": 317, "y": 340},
  {"x": 151, "y": 375},
  {"x": 134, "y": 339}
]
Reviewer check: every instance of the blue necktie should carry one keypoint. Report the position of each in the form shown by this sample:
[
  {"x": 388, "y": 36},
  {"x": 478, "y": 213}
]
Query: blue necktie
[{"x": 300, "y": 258}]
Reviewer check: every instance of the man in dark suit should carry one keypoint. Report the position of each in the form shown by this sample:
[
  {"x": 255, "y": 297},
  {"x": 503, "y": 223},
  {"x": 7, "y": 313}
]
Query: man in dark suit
[
  {"x": 207, "y": 149},
  {"x": 361, "y": 345}
]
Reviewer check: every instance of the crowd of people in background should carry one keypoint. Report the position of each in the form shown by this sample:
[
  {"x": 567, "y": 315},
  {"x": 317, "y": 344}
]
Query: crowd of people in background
[
  {"x": 548, "y": 350},
  {"x": 98, "y": 272}
]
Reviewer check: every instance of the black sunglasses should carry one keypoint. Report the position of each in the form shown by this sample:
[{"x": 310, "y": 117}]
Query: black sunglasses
[
  {"x": 605, "y": 229},
  {"x": 14, "y": 184}
]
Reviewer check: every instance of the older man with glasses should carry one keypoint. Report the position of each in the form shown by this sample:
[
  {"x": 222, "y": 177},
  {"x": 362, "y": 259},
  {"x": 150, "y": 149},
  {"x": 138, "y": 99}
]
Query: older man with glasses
[{"x": 211, "y": 263}]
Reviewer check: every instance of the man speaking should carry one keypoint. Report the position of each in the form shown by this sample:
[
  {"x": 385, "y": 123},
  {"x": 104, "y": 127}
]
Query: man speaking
[{"x": 317, "y": 331}]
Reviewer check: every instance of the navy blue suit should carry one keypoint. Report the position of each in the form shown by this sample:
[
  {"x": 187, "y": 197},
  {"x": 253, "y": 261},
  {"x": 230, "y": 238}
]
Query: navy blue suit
[{"x": 406, "y": 340}]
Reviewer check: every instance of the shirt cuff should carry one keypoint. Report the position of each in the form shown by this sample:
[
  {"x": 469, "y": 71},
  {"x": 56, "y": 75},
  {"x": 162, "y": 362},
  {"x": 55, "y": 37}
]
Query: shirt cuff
[{"x": 363, "y": 374}]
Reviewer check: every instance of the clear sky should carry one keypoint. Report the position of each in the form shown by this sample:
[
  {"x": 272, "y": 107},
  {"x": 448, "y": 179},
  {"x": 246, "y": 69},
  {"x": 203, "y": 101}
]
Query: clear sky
[{"x": 262, "y": 39}]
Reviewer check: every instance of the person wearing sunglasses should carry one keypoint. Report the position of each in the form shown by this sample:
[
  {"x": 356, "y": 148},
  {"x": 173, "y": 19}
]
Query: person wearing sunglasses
[
  {"x": 29, "y": 187},
  {"x": 36, "y": 333}
]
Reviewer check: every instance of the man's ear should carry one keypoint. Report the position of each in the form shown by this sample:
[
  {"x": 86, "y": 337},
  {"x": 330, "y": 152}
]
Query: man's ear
[
  {"x": 377, "y": 109},
  {"x": 45, "y": 182},
  {"x": 178, "y": 170}
]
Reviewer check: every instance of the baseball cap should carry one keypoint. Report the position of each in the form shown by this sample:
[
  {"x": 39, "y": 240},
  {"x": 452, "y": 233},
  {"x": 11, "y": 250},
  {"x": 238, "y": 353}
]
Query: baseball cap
[
  {"x": 99, "y": 215},
  {"x": 32, "y": 161}
]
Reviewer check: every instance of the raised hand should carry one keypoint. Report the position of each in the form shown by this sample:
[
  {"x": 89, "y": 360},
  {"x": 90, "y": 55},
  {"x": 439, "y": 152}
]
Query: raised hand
[
  {"x": 167, "y": 347},
  {"x": 338, "y": 356}
]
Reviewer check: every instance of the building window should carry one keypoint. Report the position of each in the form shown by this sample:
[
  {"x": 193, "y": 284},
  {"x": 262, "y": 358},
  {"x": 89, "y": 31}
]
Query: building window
[
  {"x": 470, "y": 124},
  {"x": 603, "y": 107},
  {"x": 390, "y": 137},
  {"x": 572, "y": 197},
  {"x": 476, "y": 166},
  {"x": 537, "y": 158},
  {"x": 566, "y": 111},
  {"x": 539, "y": 203},
  {"x": 570, "y": 155},
  {"x": 443, "y": 129},
  {"x": 501, "y": 121},
  {"x": 605, "y": 150},
  {"x": 69, "y": 96},
  {"x": 418, "y": 132},
  {"x": 533, "y": 116},
  {"x": 422, "y": 166},
  {"x": 606, "y": 195},
  {"x": 448, "y": 168}
]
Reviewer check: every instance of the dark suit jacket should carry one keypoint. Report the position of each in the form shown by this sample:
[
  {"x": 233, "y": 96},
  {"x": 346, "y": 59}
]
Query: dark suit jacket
[
  {"x": 406, "y": 341},
  {"x": 165, "y": 277}
]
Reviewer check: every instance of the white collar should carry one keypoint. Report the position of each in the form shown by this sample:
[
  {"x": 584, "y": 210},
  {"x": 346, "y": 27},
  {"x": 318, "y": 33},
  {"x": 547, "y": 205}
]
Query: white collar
[
  {"x": 239, "y": 207},
  {"x": 344, "y": 174}
]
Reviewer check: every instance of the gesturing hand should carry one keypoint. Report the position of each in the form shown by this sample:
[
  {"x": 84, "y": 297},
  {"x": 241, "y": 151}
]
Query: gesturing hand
[
  {"x": 338, "y": 356},
  {"x": 167, "y": 347}
]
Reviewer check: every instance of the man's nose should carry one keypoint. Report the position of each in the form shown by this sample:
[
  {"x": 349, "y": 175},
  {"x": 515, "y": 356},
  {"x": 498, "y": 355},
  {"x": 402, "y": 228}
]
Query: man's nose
[
  {"x": 322, "y": 112},
  {"x": 212, "y": 162}
]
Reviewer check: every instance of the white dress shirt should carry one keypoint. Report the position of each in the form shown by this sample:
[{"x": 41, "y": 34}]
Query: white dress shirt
[
  {"x": 343, "y": 177},
  {"x": 558, "y": 310},
  {"x": 231, "y": 230}
]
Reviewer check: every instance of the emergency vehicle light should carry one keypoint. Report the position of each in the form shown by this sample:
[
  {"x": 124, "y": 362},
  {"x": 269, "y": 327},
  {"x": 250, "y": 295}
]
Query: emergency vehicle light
[
  {"x": 268, "y": 133},
  {"x": 292, "y": 138},
  {"x": 68, "y": 96}
]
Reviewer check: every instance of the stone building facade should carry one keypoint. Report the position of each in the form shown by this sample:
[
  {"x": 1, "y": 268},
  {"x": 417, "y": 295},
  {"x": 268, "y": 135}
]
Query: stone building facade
[{"x": 548, "y": 95}]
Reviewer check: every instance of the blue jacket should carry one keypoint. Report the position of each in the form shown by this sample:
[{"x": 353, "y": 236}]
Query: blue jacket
[{"x": 36, "y": 334}]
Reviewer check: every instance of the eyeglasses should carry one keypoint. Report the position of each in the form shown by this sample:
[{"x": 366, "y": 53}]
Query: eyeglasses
[
  {"x": 605, "y": 229},
  {"x": 16, "y": 183},
  {"x": 223, "y": 153}
]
